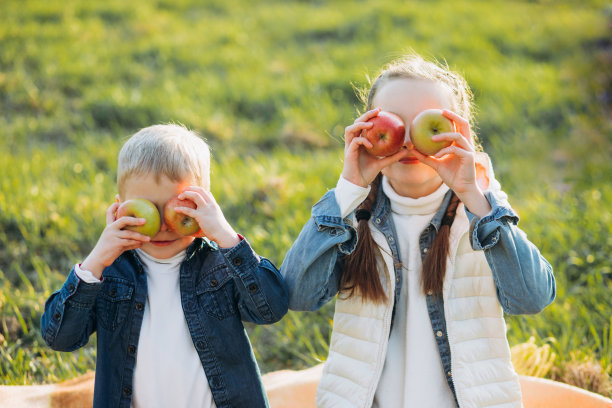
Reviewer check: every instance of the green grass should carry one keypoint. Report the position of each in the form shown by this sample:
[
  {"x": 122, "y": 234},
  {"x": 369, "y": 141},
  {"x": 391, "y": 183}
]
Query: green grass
[{"x": 271, "y": 85}]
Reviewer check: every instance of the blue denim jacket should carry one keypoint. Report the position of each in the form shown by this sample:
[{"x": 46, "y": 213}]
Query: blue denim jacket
[
  {"x": 523, "y": 278},
  {"x": 219, "y": 289}
]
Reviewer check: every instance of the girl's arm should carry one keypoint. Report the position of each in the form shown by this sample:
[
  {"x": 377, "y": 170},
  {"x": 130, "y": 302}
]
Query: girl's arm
[
  {"x": 69, "y": 318},
  {"x": 312, "y": 267},
  {"x": 523, "y": 278}
]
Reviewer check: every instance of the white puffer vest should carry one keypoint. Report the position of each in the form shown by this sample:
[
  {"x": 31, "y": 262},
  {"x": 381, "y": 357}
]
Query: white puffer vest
[{"x": 480, "y": 355}]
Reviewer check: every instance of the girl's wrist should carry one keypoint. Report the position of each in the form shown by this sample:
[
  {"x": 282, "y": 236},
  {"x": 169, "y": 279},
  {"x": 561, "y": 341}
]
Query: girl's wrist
[{"x": 475, "y": 201}]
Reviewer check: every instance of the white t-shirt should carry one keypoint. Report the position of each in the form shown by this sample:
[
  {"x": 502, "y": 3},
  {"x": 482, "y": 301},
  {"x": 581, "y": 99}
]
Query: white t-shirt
[{"x": 168, "y": 370}]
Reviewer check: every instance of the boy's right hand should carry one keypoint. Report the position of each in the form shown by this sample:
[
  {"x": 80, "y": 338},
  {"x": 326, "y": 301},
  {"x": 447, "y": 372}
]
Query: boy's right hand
[
  {"x": 113, "y": 241},
  {"x": 360, "y": 167}
]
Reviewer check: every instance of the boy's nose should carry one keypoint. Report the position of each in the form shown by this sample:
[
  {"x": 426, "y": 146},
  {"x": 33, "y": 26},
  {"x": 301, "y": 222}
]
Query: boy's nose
[{"x": 163, "y": 225}]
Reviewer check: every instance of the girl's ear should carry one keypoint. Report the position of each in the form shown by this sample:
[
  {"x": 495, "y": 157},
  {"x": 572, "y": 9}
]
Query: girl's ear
[{"x": 117, "y": 199}]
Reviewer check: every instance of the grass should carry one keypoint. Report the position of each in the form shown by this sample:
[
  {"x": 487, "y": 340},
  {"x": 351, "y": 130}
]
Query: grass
[{"x": 272, "y": 86}]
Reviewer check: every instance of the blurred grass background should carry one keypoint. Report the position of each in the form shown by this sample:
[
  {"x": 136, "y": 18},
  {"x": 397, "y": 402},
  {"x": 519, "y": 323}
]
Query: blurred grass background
[{"x": 271, "y": 86}]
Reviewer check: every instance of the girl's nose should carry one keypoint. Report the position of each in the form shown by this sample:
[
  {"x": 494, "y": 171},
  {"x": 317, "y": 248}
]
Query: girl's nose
[
  {"x": 407, "y": 141},
  {"x": 163, "y": 225}
]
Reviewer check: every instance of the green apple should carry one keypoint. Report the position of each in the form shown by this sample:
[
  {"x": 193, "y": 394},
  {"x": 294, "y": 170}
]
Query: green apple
[
  {"x": 141, "y": 208},
  {"x": 180, "y": 223},
  {"x": 426, "y": 124}
]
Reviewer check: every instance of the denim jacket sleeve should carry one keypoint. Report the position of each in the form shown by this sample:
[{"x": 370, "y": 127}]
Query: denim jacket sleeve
[
  {"x": 68, "y": 319},
  {"x": 523, "y": 278},
  {"x": 262, "y": 292},
  {"x": 313, "y": 265}
]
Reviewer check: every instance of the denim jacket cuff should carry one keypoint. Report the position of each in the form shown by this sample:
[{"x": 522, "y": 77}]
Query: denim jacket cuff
[
  {"x": 241, "y": 257},
  {"x": 484, "y": 232},
  {"x": 327, "y": 218}
]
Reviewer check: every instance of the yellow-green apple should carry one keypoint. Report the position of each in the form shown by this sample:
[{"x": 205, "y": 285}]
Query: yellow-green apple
[
  {"x": 141, "y": 208},
  {"x": 180, "y": 223},
  {"x": 426, "y": 124},
  {"x": 387, "y": 134}
]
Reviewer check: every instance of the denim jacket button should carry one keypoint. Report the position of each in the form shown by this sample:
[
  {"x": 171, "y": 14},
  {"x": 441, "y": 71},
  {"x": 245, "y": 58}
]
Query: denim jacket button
[
  {"x": 214, "y": 283},
  {"x": 252, "y": 287},
  {"x": 448, "y": 374},
  {"x": 139, "y": 307},
  {"x": 131, "y": 349},
  {"x": 439, "y": 333},
  {"x": 57, "y": 317},
  {"x": 71, "y": 288},
  {"x": 378, "y": 220},
  {"x": 429, "y": 292},
  {"x": 237, "y": 261},
  {"x": 127, "y": 391}
]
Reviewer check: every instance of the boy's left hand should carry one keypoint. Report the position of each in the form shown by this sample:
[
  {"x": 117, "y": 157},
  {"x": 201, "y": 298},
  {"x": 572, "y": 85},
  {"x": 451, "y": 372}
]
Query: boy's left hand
[{"x": 209, "y": 216}]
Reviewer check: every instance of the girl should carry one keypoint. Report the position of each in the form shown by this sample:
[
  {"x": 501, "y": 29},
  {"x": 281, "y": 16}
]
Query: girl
[{"x": 425, "y": 254}]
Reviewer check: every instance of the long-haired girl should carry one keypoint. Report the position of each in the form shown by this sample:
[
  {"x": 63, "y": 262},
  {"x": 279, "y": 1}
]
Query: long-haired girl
[{"x": 425, "y": 255}]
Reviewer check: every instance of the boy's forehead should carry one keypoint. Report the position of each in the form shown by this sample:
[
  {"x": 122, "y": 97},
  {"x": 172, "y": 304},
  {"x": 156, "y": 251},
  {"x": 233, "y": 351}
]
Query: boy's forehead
[{"x": 153, "y": 187}]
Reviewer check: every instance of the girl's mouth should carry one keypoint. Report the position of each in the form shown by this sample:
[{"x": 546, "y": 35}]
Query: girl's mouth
[{"x": 409, "y": 160}]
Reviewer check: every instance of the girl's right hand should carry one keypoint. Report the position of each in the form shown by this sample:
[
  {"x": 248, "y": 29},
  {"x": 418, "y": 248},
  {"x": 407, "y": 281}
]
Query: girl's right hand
[
  {"x": 360, "y": 167},
  {"x": 114, "y": 241}
]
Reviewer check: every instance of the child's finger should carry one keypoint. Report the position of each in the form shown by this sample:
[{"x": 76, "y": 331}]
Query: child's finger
[
  {"x": 452, "y": 149},
  {"x": 386, "y": 161},
  {"x": 368, "y": 115},
  {"x": 123, "y": 222},
  {"x": 196, "y": 198},
  {"x": 133, "y": 236},
  {"x": 110, "y": 213},
  {"x": 457, "y": 138},
  {"x": 354, "y": 130},
  {"x": 360, "y": 141},
  {"x": 462, "y": 124}
]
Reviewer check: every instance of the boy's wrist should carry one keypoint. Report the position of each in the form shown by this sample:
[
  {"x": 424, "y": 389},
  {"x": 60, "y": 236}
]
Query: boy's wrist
[{"x": 227, "y": 239}]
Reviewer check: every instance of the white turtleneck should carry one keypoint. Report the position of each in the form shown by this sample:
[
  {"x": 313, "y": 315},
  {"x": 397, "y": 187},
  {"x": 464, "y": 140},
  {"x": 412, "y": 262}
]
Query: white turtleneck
[
  {"x": 168, "y": 370},
  {"x": 412, "y": 375}
]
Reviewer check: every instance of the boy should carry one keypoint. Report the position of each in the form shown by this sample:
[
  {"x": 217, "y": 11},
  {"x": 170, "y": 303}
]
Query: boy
[{"x": 168, "y": 309}]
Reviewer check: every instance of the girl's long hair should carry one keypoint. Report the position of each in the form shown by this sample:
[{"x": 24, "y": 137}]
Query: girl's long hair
[{"x": 360, "y": 274}]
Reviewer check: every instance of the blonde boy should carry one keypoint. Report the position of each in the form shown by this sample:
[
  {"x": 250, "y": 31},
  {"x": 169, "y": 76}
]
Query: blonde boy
[{"x": 168, "y": 310}]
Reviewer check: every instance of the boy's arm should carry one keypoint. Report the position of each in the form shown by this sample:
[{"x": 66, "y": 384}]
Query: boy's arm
[
  {"x": 69, "y": 318},
  {"x": 523, "y": 278},
  {"x": 262, "y": 292}
]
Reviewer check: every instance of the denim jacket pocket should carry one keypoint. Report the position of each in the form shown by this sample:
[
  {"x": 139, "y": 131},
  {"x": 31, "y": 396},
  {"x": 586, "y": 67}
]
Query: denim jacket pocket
[
  {"x": 215, "y": 292},
  {"x": 114, "y": 301}
]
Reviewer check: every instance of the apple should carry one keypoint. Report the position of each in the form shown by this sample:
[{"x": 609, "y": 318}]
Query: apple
[
  {"x": 180, "y": 223},
  {"x": 426, "y": 124},
  {"x": 387, "y": 134},
  {"x": 141, "y": 208}
]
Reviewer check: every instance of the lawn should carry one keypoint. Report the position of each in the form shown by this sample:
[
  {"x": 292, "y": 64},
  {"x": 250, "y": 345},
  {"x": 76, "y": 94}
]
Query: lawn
[{"x": 271, "y": 86}]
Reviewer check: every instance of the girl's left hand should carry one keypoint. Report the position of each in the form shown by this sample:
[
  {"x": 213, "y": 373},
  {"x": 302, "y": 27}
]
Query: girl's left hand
[
  {"x": 456, "y": 164},
  {"x": 209, "y": 216}
]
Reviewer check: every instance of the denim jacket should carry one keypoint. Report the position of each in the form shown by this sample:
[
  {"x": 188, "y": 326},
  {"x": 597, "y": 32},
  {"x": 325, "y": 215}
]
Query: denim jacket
[
  {"x": 219, "y": 289},
  {"x": 313, "y": 266}
]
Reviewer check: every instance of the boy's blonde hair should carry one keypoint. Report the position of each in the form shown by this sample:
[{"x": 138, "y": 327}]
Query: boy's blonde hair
[{"x": 165, "y": 150}]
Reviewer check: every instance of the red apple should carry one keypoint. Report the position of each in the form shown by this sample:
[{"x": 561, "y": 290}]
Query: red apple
[
  {"x": 426, "y": 124},
  {"x": 141, "y": 208},
  {"x": 180, "y": 223},
  {"x": 387, "y": 134}
]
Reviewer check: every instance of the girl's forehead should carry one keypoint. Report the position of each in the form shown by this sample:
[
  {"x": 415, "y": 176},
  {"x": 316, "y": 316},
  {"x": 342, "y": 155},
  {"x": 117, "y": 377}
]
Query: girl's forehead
[{"x": 401, "y": 92}]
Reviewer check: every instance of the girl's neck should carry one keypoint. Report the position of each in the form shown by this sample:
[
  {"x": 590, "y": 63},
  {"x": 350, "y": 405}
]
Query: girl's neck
[{"x": 423, "y": 205}]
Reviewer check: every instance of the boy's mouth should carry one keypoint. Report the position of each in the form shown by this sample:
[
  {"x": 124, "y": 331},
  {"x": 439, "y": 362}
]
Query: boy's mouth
[{"x": 161, "y": 243}]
